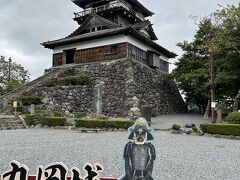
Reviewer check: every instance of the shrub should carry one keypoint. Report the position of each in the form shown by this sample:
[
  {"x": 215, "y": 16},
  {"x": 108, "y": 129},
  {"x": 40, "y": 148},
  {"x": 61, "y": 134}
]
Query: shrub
[
  {"x": 54, "y": 121},
  {"x": 77, "y": 80},
  {"x": 28, "y": 100},
  {"x": 31, "y": 119},
  {"x": 195, "y": 129},
  {"x": 50, "y": 83},
  {"x": 203, "y": 127},
  {"x": 94, "y": 123},
  {"x": 41, "y": 113},
  {"x": 79, "y": 115},
  {"x": 57, "y": 114},
  {"x": 176, "y": 127},
  {"x": 222, "y": 129},
  {"x": 233, "y": 117},
  {"x": 154, "y": 113}
]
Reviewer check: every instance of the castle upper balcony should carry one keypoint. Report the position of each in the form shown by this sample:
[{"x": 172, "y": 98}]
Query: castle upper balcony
[{"x": 113, "y": 5}]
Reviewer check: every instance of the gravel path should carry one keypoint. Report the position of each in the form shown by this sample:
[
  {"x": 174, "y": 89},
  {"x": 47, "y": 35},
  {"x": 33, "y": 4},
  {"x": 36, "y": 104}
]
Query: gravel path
[
  {"x": 178, "y": 157},
  {"x": 166, "y": 121}
]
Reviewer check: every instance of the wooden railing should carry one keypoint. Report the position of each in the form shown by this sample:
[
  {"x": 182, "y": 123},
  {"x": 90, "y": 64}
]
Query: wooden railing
[{"x": 118, "y": 3}]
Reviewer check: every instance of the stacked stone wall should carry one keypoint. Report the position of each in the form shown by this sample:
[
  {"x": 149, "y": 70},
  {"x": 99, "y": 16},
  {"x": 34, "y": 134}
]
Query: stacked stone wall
[
  {"x": 157, "y": 90},
  {"x": 113, "y": 88}
]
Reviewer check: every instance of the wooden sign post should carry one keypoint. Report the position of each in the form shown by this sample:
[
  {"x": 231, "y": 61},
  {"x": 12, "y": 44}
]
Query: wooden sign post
[{"x": 15, "y": 105}]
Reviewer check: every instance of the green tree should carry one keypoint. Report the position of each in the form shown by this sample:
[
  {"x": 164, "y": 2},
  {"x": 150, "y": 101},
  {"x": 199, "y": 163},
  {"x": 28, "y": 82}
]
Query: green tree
[
  {"x": 210, "y": 62},
  {"x": 12, "y": 75}
]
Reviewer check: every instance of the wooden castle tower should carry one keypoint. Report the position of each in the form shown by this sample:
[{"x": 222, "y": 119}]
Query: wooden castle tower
[{"x": 111, "y": 30}]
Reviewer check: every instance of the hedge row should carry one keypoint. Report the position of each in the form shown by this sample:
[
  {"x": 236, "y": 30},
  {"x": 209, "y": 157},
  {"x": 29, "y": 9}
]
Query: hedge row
[
  {"x": 222, "y": 129},
  {"x": 93, "y": 123},
  {"x": 33, "y": 119}
]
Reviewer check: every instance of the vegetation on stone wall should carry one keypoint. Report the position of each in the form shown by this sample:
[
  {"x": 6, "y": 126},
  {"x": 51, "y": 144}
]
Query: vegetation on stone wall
[
  {"x": 222, "y": 129},
  {"x": 94, "y": 123},
  {"x": 78, "y": 79},
  {"x": 28, "y": 100}
]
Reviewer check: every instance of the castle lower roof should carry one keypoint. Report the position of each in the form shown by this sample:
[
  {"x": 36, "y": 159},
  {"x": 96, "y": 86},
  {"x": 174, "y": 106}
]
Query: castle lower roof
[{"x": 109, "y": 32}]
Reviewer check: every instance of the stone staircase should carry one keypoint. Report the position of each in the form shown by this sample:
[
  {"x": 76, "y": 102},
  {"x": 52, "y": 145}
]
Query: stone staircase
[
  {"x": 8, "y": 122},
  {"x": 8, "y": 97},
  {"x": 32, "y": 84}
]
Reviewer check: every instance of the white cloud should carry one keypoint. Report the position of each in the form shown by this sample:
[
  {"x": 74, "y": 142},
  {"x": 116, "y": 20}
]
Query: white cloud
[{"x": 24, "y": 24}]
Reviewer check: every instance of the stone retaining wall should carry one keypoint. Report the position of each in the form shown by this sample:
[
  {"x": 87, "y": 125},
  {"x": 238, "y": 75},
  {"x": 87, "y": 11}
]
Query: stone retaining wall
[{"x": 115, "y": 87}]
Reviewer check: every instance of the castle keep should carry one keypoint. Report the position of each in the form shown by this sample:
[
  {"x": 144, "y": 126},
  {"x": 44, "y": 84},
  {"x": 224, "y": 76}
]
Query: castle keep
[
  {"x": 110, "y": 30},
  {"x": 114, "y": 46}
]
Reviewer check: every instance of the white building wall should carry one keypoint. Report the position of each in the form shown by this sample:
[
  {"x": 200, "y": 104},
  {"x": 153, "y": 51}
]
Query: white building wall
[
  {"x": 144, "y": 47},
  {"x": 92, "y": 43},
  {"x": 108, "y": 41}
]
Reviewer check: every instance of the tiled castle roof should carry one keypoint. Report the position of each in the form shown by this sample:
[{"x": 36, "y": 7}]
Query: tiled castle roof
[{"x": 106, "y": 33}]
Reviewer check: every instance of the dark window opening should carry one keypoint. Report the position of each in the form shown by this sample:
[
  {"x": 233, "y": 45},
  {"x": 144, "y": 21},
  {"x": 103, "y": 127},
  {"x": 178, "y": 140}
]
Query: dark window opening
[
  {"x": 93, "y": 29},
  {"x": 99, "y": 28},
  {"x": 114, "y": 49},
  {"x": 70, "y": 56},
  {"x": 111, "y": 49}
]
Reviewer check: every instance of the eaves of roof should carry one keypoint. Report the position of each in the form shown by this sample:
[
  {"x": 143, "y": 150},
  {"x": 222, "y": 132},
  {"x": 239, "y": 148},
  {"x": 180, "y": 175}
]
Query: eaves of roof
[{"x": 109, "y": 32}]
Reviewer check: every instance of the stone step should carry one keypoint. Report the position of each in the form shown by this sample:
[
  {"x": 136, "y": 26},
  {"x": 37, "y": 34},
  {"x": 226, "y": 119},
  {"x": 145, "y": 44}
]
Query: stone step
[
  {"x": 6, "y": 128},
  {"x": 11, "y": 127},
  {"x": 10, "y": 122}
]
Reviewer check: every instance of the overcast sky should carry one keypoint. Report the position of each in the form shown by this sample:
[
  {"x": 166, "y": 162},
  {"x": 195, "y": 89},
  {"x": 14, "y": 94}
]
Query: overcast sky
[{"x": 24, "y": 24}]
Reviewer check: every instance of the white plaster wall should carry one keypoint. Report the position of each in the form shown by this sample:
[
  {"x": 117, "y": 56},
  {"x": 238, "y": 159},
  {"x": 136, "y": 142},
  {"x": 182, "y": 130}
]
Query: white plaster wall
[
  {"x": 92, "y": 43},
  {"x": 108, "y": 41},
  {"x": 144, "y": 47}
]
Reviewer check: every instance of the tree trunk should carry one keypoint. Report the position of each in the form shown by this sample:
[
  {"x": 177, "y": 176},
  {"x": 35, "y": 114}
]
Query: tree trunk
[
  {"x": 236, "y": 102},
  {"x": 207, "y": 112}
]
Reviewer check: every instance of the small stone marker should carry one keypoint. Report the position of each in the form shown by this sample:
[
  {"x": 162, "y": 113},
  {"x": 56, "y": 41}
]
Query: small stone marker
[{"x": 85, "y": 130}]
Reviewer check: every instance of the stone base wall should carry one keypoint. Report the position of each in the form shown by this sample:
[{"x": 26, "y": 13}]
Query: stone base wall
[
  {"x": 114, "y": 88},
  {"x": 157, "y": 90}
]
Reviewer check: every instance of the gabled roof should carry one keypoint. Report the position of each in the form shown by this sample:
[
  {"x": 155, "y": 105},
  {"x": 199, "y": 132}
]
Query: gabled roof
[
  {"x": 135, "y": 4},
  {"x": 94, "y": 19},
  {"x": 148, "y": 27},
  {"x": 109, "y": 32},
  {"x": 142, "y": 8}
]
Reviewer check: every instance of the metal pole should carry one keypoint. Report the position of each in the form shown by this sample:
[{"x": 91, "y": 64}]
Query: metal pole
[
  {"x": 212, "y": 87},
  {"x": 9, "y": 70}
]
